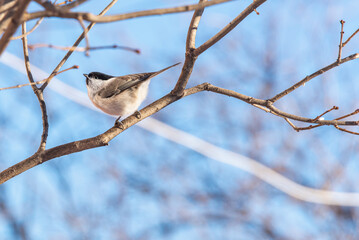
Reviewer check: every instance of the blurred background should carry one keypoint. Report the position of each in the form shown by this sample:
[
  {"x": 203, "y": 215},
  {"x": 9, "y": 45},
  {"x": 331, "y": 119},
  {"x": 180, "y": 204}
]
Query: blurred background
[{"x": 143, "y": 186}]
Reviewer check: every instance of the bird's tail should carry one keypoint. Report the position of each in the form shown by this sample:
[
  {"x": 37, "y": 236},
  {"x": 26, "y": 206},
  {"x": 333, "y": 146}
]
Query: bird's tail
[{"x": 161, "y": 71}]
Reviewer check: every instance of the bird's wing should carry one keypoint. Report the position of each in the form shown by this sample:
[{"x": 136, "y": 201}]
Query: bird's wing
[{"x": 117, "y": 86}]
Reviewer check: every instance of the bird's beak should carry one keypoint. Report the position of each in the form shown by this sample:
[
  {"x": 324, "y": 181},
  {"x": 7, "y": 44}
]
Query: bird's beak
[{"x": 86, "y": 75}]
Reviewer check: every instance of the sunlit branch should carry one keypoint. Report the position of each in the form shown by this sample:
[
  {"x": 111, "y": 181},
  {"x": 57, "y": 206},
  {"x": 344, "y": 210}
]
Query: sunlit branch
[{"x": 119, "y": 17}]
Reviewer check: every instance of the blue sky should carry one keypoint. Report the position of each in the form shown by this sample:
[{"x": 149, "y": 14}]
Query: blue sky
[{"x": 142, "y": 186}]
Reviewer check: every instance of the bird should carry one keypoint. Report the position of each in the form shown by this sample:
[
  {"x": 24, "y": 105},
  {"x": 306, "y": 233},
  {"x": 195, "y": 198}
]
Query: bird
[{"x": 119, "y": 95}]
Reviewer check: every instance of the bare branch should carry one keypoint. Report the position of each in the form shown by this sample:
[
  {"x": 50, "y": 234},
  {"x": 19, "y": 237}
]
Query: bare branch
[
  {"x": 83, "y": 49},
  {"x": 104, "y": 138},
  {"x": 38, "y": 93},
  {"x": 86, "y": 36},
  {"x": 97, "y": 19},
  {"x": 98, "y": 141},
  {"x": 27, "y": 33},
  {"x": 190, "y": 57},
  {"x": 345, "y": 43},
  {"x": 65, "y": 70},
  {"x": 4, "y": 7},
  {"x": 229, "y": 27},
  {"x": 345, "y": 130},
  {"x": 329, "y": 110},
  {"x": 79, "y": 39},
  {"x": 301, "y": 128},
  {"x": 192, "y": 30},
  {"x": 341, "y": 41},
  {"x": 348, "y": 115},
  {"x": 309, "y": 120},
  {"x": 14, "y": 24},
  {"x": 23, "y": 85},
  {"x": 310, "y": 77},
  {"x": 37, "y": 82}
]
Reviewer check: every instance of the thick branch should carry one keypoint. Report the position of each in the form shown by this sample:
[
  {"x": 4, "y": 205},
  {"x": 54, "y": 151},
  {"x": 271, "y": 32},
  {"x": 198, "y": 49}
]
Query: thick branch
[
  {"x": 193, "y": 26},
  {"x": 104, "y": 138},
  {"x": 190, "y": 57},
  {"x": 98, "y": 141},
  {"x": 119, "y": 17},
  {"x": 14, "y": 24}
]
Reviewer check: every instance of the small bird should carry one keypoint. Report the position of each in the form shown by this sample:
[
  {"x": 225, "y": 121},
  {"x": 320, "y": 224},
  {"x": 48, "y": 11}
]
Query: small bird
[{"x": 119, "y": 96}]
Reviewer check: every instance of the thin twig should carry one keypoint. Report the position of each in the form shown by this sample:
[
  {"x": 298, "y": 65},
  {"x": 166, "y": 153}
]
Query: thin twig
[
  {"x": 65, "y": 70},
  {"x": 345, "y": 130},
  {"x": 112, "y": 18},
  {"x": 38, "y": 93},
  {"x": 82, "y": 49},
  {"x": 79, "y": 39},
  {"x": 192, "y": 53},
  {"x": 23, "y": 85},
  {"x": 27, "y": 33},
  {"x": 301, "y": 128},
  {"x": 37, "y": 82},
  {"x": 341, "y": 41},
  {"x": 86, "y": 36},
  {"x": 229, "y": 27},
  {"x": 348, "y": 115},
  {"x": 255, "y": 10},
  {"x": 345, "y": 43},
  {"x": 310, "y": 77},
  {"x": 329, "y": 110}
]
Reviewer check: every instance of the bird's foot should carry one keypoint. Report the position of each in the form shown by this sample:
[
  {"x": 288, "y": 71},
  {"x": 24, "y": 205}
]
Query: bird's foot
[
  {"x": 119, "y": 124},
  {"x": 138, "y": 115}
]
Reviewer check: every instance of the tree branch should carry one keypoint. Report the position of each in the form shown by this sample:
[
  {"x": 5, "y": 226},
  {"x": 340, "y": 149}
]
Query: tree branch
[
  {"x": 192, "y": 30},
  {"x": 192, "y": 53},
  {"x": 341, "y": 41},
  {"x": 38, "y": 93},
  {"x": 313, "y": 75},
  {"x": 190, "y": 58},
  {"x": 31, "y": 30},
  {"x": 83, "y": 49},
  {"x": 14, "y": 24},
  {"x": 229, "y": 27},
  {"x": 119, "y": 17},
  {"x": 104, "y": 138}
]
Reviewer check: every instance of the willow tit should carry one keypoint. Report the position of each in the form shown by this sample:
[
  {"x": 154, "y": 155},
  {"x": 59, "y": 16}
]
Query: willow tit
[{"x": 119, "y": 96}]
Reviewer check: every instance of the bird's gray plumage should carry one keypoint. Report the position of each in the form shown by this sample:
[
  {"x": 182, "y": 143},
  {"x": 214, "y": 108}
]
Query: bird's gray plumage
[
  {"x": 116, "y": 87},
  {"x": 119, "y": 95}
]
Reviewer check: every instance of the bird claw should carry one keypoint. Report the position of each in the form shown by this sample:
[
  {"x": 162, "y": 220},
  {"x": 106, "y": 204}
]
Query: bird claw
[
  {"x": 138, "y": 115},
  {"x": 119, "y": 124}
]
